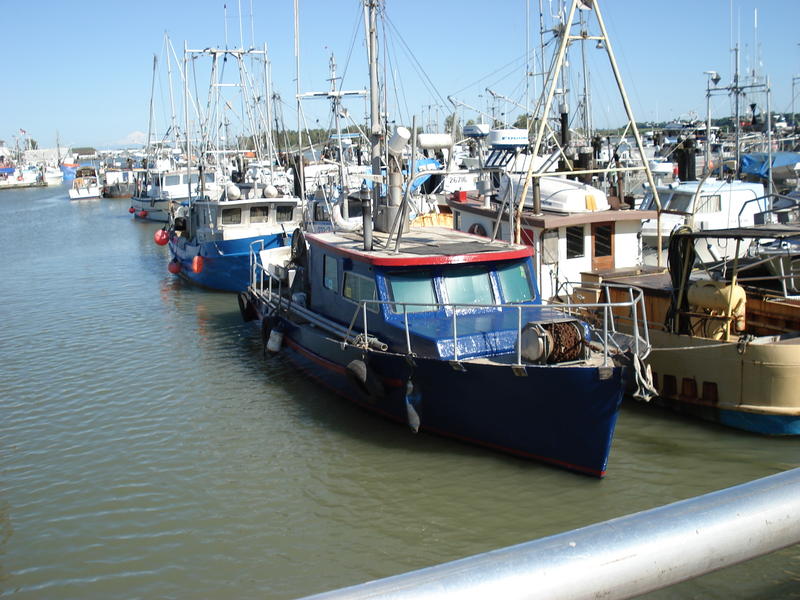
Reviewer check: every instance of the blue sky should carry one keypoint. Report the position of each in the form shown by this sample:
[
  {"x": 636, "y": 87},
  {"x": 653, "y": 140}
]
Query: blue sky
[{"x": 84, "y": 69}]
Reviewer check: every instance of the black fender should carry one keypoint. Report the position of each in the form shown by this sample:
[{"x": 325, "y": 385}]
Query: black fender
[
  {"x": 246, "y": 308},
  {"x": 299, "y": 249},
  {"x": 365, "y": 380}
]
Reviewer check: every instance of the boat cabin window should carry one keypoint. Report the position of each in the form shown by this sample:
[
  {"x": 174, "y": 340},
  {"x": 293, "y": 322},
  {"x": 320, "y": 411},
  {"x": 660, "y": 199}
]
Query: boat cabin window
[
  {"x": 259, "y": 214},
  {"x": 515, "y": 283},
  {"x": 550, "y": 247},
  {"x": 358, "y": 287},
  {"x": 414, "y": 288},
  {"x": 575, "y": 242},
  {"x": 320, "y": 212},
  {"x": 284, "y": 213},
  {"x": 469, "y": 285},
  {"x": 208, "y": 177},
  {"x": 231, "y": 216},
  {"x": 172, "y": 180},
  {"x": 602, "y": 239},
  {"x": 679, "y": 201},
  {"x": 194, "y": 178},
  {"x": 330, "y": 275},
  {"x": 709, "y": 204}
]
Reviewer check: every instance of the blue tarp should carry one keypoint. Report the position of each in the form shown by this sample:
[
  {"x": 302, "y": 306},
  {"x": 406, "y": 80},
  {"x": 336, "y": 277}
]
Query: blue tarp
[{"x": 755, "y": 163}]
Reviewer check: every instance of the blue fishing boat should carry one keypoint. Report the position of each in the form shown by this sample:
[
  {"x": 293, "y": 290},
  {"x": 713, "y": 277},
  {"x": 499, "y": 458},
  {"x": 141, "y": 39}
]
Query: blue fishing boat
[
  {"x": 209, "y": 240},
  {"x": 243, "y": 197},
  {"x": 446, "y": 331}
]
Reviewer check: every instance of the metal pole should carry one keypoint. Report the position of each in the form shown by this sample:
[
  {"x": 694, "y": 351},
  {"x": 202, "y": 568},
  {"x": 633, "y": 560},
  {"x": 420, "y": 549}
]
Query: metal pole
[
  {"x": 621, "y": 558},
  {"x": 375, "y": 124},
  {"x": 706, "y": 168},
  {"x": 769, "y": 148}
]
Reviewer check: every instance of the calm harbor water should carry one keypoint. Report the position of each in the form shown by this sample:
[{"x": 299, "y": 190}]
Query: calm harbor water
[{"x": 149, "y": 450}]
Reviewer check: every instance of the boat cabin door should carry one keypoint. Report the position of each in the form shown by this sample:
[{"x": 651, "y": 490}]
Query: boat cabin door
[{"x": 602, "y": 246}]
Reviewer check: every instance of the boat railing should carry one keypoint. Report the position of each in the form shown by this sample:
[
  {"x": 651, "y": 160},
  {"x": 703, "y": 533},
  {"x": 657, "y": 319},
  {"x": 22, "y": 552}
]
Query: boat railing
[
  {"x": 602, "y": 316},
  {"x": 604, "y": 313}
]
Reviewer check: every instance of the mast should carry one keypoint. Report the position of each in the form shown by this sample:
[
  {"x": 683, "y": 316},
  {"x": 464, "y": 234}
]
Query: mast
[
  {"x": 186, "y": 120},
  {"x": 150, "y": 121},
  {"x": 171, "y": 99},
  {"x": 299, "y": 170},
  {"x": 566, "y": 38},
  {"x": 268, "y": 91},
  {"x": 375, "y": 123}
]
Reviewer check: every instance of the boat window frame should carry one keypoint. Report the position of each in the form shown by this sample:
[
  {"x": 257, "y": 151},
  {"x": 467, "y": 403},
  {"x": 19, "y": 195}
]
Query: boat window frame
[
  {"x": 497, "y": 269},
  {"x": 371, "y": 306},
  {"x": 426, "y": 308},
  {"x": 230, "y": 210},
  {"x": 482, "y": 268},
  {"x": 570, "y": 254},
  {"x": 281, "y": 208},
  {"x": 332, "y": 263},
  {"x": 258, "y": 207}
]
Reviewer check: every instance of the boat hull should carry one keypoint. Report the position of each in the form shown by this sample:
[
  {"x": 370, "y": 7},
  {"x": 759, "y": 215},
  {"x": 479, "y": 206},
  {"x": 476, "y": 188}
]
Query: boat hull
[
  {"x": 84, "y": 193},
  {"x": 225, "y": 264},
  {"x": 564, "y": 416},
  {"x": 150, "y": 209},
  {"x": 752, "y": 387}
]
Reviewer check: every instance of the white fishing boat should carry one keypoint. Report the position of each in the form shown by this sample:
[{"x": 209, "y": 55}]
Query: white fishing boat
[{"x": 86, "y": 184}]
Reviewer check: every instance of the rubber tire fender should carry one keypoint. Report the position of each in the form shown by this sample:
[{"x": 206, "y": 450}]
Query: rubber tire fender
[
  {"x": 299, "y": 249},
  {"x": 246, "y": 308}
]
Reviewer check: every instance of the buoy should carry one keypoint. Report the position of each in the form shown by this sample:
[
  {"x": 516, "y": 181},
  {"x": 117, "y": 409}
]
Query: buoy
[
  {"x": 174, "y": 267},
  {"x": 197, "y": 264},
  {"x": 142, "y": 214},
  {"x": 131, "y": 210},
  {"x": 161, "y": 237}
]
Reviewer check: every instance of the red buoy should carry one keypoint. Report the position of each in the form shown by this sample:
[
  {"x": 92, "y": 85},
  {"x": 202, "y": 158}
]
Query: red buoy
[
  {"x": 142, "y": 214},
  {"x": 174, "y": 267},
  {"x": 161, "y": 237},
  {"x": 131, "y": 210},
  {"x": 197, "y": 264}
]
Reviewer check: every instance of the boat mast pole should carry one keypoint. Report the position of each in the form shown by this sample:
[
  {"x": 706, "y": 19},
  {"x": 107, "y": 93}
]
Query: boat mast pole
[
  {"x": 375, "y": 124},
  {"x": 562, "y": 51},
  {"x": 186, "y": 119},
  {"x": 171, "y": 98},
  {"x": 268, "y": 91},
  {"x": 299, "y": 170},
  {"x": 150, "y": 120}
]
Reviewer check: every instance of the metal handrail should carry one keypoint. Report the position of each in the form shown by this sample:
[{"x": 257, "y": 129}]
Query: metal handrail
[
  {"x": 616, "y": 559},
  {"x": 269, "y": 287}
]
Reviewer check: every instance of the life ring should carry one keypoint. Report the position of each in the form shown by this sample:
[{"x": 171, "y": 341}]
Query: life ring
[
  {"x": 365, "y": 380},
  {"x": 478, "y": 229},
  {"x": 299, "y": 249}
]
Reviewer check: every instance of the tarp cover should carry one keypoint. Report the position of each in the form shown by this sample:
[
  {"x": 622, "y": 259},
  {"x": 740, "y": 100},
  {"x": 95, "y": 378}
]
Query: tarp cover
[{"x": 755, "y": 163}]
